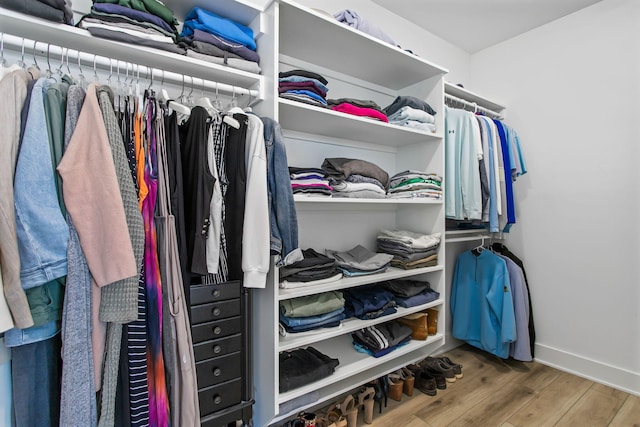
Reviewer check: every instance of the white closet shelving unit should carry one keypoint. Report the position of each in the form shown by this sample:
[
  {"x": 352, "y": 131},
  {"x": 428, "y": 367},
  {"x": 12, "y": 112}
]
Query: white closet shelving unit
[{"x": 362, "y": 67}]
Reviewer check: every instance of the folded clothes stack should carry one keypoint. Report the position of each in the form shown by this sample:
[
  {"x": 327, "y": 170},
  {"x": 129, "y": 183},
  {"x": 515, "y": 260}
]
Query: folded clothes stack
[
  {"x": 356, "y": 178},
  {"x": 314, "y": 269},
  {"x": 410, "y": 250},
  {"x": 146, "y": 23},
  {"x": 309, "y": 181},
  {"x": 381, "y": 339},
  {"x": 369, "y": 302},
  {"x": 360, "y": 261},
  {"x": 52, "y": 10},
  {"x": 411, "y": 112},
  {"x": 410, "y": 293},
  {"x": 313, "y": 312},
  {"x": 303, "y": 86},
  {"x": 351, "y": 18},
  {"x": 212, "y": 38},
  {"x": 410, "y": 183},
  {"x": 303, "y": 366},
  {"x": 358, "y": 107}
]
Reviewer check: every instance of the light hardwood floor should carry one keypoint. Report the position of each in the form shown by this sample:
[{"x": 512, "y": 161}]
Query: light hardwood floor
[{"x": 501, "y": 393}]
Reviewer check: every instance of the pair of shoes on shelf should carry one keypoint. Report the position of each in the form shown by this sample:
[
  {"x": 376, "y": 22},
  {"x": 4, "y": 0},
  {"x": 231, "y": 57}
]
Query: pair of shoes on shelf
[{"x": 400, "y": 381}]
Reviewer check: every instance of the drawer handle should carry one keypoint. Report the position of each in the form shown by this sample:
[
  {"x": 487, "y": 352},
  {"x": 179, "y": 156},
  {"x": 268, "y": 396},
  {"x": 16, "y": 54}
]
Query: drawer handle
[
  {"x": 217, "y": 349},
  {"x": 217, "y": 372},
  {"x": 216, "y": 293},
  {"x": 217, "y": 399},
  {"x": 217, "y": 330},
  {"x": 216, "y": 311}
]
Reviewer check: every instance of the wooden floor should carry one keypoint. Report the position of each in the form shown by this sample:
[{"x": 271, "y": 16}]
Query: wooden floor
[{"x": 495, "y": 392}]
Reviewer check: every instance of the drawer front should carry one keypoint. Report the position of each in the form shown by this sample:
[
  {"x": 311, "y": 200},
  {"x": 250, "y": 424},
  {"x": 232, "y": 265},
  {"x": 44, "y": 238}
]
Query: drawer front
[
  {"x": 214, "y": 330},
  {"x": 215, "y": 310},
  {"x": 215, "y": 371},
  {"x": 218, "y": 397},
  {"x": 202, "y": 294},
  {"x": 217, "y": 348}
]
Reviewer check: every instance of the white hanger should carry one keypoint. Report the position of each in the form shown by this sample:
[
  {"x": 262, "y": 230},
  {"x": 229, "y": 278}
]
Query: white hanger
[
  {"x": 205, "y": 103},
  {"x": 176, "y": 106},
  {"x": 228, "y": 119}
]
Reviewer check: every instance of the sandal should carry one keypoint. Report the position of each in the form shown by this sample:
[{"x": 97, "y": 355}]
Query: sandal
[
  {"x": 366, "y": 400},
  {"x": 332, "y": 418}
]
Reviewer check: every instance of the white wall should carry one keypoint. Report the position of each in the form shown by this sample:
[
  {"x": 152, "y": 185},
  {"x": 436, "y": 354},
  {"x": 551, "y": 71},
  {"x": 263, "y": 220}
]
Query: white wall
[{"x": 572, "y": 90}]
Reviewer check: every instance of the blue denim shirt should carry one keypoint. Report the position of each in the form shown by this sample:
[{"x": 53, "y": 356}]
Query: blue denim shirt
[
  {"x": 42, "y": 232},
  {"x": 282, "y": 210}
]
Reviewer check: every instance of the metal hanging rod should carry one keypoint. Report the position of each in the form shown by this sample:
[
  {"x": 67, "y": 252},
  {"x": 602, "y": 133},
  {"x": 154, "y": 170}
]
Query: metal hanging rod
[
  {"x": 473, "y": 105},
  {"x": 19, "y": 44}
]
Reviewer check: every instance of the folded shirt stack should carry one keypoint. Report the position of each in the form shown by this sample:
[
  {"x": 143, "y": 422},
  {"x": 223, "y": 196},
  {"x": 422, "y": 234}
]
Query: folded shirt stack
[
  {"x": 409, "y": 111},
  {"x": 303, "y": 366},
  {"x": 52, "y": 10},
  {"x": 303, "y": 86},
  {"x": 212, "y": 38},
  {"x": 410, "y": 250},
  {"x": 360, "y": 261},
  {"x": 381, "y": 339},
  {"x": 309, "y": 181},
  {"x": 410, "y": 293},
  {"x": 353, "y": 19},
  {"x": 313, "y": 312},
  {"x": 413, "y": 118},
  {"x": 369, "y": 302},
  {"x": 358, "y": 107},
  {"x": 356, "y": 178},
  {"x": 146, "y": 23},
  {"x": 410, "y": 183},
  {"x": 314, "y": 269}
]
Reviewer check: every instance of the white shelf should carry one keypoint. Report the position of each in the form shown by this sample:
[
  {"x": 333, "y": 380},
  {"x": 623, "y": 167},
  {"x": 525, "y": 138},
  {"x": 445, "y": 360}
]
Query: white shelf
[
  {"x": 349, "y": 325},
  {"x": 34, "y": 28},
  {"x": 297, "y": 116},
  {"x": 346, "y": 200},
  {"x": 314, "y": 37},
  {"x": 467, "y": 95},
  {"x": 352, "y": 282},
  {"x": 352, "y": 364}
]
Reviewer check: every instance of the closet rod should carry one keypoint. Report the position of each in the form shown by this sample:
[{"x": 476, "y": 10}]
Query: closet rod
[
  {"x": 473, "y": 105},
  {"x": 55, "y": 53}
]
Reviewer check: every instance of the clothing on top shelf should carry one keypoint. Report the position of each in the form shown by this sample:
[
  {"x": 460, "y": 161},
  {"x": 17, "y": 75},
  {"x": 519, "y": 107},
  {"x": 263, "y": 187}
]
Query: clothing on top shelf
[
  {"x": 116, "y": 13},
  {"x": 411, "y": 183},
  {"x": 360, "y": 260},
  {"x": 353, "y": 19},
  {"x": 414, "y": 118},
  {"x": 203, "y": 41},
  {"x": 51, "y": 10},
  {"x": 153, "y": 7},
  {"x": 303, "y": 366},
  {"x": 208, "y": 21},
  {"x": 410, "y": 101},
  {"x": 348, "y": 108},
  {"x": 305, "y": 86}
]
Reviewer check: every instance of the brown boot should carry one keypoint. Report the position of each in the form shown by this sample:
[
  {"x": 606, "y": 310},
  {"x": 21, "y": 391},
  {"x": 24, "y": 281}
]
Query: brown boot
[
  {"x": 418, "y": 324},
  {"x": 395, "y": 387},
  {"x": 432, "y": 321}
]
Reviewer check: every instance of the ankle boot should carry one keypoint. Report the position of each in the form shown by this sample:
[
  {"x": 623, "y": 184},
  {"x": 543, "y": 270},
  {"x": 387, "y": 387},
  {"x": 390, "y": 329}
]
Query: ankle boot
[
  {"x": 432, "y": 321},
  {"x": 418, "y": 324},
  {"x": 409, "y": 381},
  {"x": 395, "y": 387}
]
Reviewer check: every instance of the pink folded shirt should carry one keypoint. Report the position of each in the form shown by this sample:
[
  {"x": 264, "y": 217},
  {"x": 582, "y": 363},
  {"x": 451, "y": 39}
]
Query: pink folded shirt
[{"x": 360, "y": 111}]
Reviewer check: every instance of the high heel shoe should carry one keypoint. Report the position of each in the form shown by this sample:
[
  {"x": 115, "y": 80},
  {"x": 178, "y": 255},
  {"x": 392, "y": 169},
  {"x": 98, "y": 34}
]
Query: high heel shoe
[
  {"x": 367, "y": 402},
  {"x": 333, "y": 418},
  {"x": 408, "y": 381},
  {"x": 381, "y": 394},
  {"x": 395, "y": 382},
  {"x": 349, "y": 410}
]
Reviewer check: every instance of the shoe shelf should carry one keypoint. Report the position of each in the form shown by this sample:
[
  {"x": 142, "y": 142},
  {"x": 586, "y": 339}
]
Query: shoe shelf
[
  {"x": 352, "y": 282},
  {"x": 358, "y": 368},
  {"x": 297, "y": 116},
  {"x": 349, "y": 325}
]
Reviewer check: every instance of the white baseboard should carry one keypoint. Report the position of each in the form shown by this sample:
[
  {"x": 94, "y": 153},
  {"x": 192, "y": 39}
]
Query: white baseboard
[{"x": 612, "y": 376}]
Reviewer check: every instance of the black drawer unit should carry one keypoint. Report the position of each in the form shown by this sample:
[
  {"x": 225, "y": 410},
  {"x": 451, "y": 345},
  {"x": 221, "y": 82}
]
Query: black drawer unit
[
  {"x": 220, "y": 369},
  {"x": 221, "y": 334},
  {"x": 216, "y": 348}
]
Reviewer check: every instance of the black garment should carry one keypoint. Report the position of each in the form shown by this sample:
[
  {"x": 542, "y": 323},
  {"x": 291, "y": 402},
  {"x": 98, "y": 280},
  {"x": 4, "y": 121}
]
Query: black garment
[
  {"x": 503, "y": 250},
  {"x": 405, "y": 287},
  {"x": 302, "y": 366},
  {"x": 235, "y": 197},
  {"x": 385, "y": 335},
  {"x": 411, "y": 101},
  {"x": 198, "y": 187},
  {"x": 35, "y": 8},
  {"x": 304, "y": 73},
  {"x": 122, "y": 414}
]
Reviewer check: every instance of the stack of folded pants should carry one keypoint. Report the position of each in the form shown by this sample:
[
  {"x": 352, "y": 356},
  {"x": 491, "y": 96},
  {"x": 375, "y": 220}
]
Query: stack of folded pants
[
  {"x": 410, "y": 250},
  {"x": 382, "y": 339},
  {"x": 303, "y": 366},
  {"x": 411, "y": 183},
  {"x": 360, "y": 261},
  {"x": 145, "y": 23},
  {"x": 52, "y": 10},
  {"x": 407, "y": 116},
  {"x": 309, "y": 313},
  {"x": 410, "y": 293},
  {"x": 314, "y": 269},
  {"x": 369, "y": 302},
  {"x": 309, "y": 181},
  {"x": 358, "y": 107},
  {"x": 356, "y": 178},
  {"x": 303, "y": 86},
  {"x": 219, "y": 40}
]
